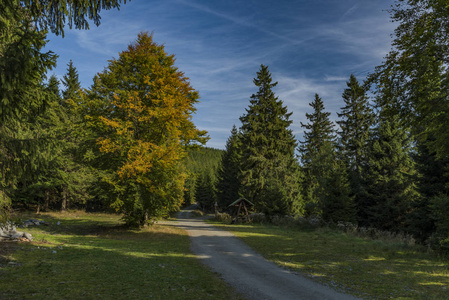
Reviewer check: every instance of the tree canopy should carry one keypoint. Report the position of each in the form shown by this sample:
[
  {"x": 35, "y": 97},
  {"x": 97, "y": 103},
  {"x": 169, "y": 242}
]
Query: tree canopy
[{"x": 140, "y": 111}]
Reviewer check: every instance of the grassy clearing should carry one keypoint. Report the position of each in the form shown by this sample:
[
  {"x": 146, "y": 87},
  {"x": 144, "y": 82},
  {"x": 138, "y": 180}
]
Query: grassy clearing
[
  {"x": 89, "y": 256},
  {"x": 365, "y": 268}
]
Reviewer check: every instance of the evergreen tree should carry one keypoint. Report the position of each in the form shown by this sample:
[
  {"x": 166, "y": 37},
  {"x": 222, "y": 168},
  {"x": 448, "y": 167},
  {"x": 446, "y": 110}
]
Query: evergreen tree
[
  {"x": 200, "y": 162},
  {"x": 71, "y": 82},
  {"x": 335, "y": 199},
  {"x": 390, "y": 189},
  {"x": 73, "y": 172},
  {"x": 318, "y": 133},
  {"x": 356, "y": 118},
  {"x": 269, "y": 170},
  {"x": 228, "y": 185},
  {"x": 205, "y": 193}
]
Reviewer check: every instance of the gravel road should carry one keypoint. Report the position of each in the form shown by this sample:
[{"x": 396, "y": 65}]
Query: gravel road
[{"x": 247, "y": 271}]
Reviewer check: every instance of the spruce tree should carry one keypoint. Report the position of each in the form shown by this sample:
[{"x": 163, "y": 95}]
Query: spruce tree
[
  {"x": 71, "y": 82},
  {"x": 269, "y": 169},
  {"x": 335, "y": 198},
  {"x": 325, "y": 185},
  {"x": 318, "y": 133},
  {"x": 389, "y": 188},
  {"x": 205, "y": 193},
  {"x": 228, "y": 185},
  {"x": 356, "y": 117},
  {"x": 389, "y": 179}
]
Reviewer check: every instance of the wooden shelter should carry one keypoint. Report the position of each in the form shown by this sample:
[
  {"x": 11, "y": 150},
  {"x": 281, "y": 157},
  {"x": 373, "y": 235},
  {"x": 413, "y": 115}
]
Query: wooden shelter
[{"x": 240, "y": 210}]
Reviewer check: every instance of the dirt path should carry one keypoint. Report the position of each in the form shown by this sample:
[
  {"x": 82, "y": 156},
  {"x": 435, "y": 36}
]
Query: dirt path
[{"x": 246, "y": 270}]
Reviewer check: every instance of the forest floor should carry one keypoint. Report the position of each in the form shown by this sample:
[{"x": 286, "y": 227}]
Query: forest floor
[{"x": 91, "y": 256}]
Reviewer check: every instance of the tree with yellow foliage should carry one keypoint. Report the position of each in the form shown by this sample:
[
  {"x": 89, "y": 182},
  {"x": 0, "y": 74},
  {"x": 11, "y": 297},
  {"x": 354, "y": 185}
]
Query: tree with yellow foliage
[{"x": 139, "y": 110}]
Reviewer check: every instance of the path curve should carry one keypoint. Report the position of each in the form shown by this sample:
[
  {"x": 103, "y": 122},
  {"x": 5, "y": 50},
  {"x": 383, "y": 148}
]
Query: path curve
[{"x": 247, "y": 271}]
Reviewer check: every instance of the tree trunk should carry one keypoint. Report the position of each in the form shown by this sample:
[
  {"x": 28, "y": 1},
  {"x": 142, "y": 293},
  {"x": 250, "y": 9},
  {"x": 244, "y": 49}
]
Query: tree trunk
[
  {"x": 47, "y": 200},
  {"x": 64, "y": 199},
  {"x": 145, "y": 222}
]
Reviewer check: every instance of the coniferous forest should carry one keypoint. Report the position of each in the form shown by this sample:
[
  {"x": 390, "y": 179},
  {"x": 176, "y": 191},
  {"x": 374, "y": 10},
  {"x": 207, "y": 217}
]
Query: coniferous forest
[{"x": 128, "y": 143}]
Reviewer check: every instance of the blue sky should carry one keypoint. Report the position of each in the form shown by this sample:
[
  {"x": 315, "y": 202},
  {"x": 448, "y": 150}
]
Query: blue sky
[{"x": 310, "y": 46}]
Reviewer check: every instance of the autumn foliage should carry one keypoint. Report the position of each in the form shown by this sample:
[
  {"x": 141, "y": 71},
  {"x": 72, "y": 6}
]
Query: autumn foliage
[{"x": 139, "y": 110}]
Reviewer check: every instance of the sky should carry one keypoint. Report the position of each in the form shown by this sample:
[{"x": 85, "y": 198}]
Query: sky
[{"x": 309, "y": 46}]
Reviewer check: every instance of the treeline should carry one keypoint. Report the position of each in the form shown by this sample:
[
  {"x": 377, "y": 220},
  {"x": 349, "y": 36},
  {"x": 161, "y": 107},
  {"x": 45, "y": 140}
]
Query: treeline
[
  {"x": 383, "y": 165},
  {"x": 119, "y": 145},
  {"x": 202, "y": 165}
]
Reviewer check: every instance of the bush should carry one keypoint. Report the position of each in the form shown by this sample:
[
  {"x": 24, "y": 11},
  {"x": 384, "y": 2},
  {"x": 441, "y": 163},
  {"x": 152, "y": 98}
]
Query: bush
[
  {"x": 377, "y": 234},
  {"x": 5, "y": 207},
  {"x": 258, "y": 218},
  {"x": 197, "y": 213},
  {"x": 224, "y": 218},
  {"x": 439, "y": 208}
]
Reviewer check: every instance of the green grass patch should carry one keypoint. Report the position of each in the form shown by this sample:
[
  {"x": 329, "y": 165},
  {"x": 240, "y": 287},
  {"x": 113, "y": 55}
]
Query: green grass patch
[
  {"x": 91, "y": 256},
  {"x": 365, "y": 268}
]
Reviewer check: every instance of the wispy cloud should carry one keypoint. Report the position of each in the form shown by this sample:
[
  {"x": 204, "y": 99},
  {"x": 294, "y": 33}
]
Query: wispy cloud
[{"x": 310, "y": 47}]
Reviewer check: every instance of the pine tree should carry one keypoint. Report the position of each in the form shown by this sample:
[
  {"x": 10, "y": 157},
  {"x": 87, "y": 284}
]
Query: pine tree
[
  {"x": 140, "y": 110},
  {"x": 356, "y": 118},
  {"x": 228, "y": 185},
  {"x": 319, "y": 133},
  {"x": 269, "y": 170}
]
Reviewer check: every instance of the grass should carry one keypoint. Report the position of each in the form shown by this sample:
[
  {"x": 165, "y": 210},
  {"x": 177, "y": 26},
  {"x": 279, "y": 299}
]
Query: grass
[
  {"x": 90, "y": 256},
  {"x": 365, "y": 268}
]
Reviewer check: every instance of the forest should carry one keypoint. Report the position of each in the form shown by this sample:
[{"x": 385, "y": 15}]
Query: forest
[{"x": 128, "y": 143}]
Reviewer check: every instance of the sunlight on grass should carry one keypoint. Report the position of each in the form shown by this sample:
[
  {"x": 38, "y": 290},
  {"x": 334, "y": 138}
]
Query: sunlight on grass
[
  {"x": 90, "y": 256},
  {"x": 365, "y": 268},
  {"x": 372, "y": 258}
]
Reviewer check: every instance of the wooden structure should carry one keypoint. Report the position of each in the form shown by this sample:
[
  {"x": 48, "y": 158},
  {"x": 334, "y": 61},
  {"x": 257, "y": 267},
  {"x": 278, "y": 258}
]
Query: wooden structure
[{"x": 240, "y": 210}]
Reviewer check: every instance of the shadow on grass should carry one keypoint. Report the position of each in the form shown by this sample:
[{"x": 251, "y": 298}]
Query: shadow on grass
[
  {"x": 356, "y": 265},
  {"x": 113, "y": 264}
]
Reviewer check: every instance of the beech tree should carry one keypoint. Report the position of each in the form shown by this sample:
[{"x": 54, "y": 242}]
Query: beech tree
[
  {"x": 419, "y": 59},
  {"x": 140, "y": 111}
]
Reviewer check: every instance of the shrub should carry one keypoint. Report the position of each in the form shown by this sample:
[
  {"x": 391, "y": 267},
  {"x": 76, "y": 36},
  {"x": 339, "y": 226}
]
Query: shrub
[
  {"x": 5, "y": 207},
  {"x": 258, "y": 218},
  {"x": 197, "y": 213},
  {"x": 439, "y": 208},
  {"x": 224, "y": 218}
]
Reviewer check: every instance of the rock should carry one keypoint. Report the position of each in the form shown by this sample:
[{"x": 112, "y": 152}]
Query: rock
[
  {"x": 27, "y": 223},
  {"x": 16, "y": 235},
  {"x": 28, "y": 236}
]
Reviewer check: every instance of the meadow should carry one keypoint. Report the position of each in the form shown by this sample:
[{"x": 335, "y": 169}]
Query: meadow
[{"x": 92, "y": 256}]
